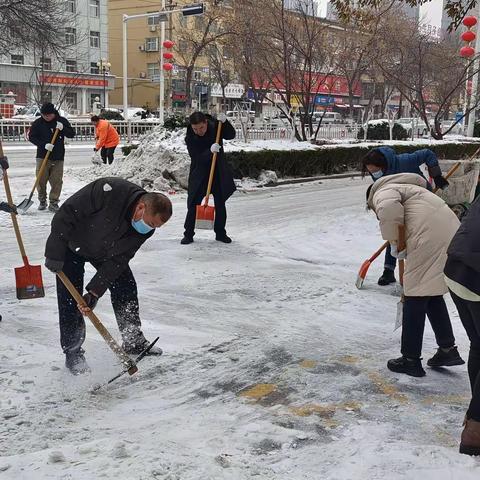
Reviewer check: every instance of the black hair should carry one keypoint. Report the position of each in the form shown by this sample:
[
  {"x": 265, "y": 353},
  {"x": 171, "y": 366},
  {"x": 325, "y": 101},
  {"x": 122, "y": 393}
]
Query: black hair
[
  {"x": 159, "y": 204},
  {"x": 373, "y": 157},
  {"x": 369, "y": 189},
  {"x": 95, "y": 118},
  {"x": 197, "y": 117}
]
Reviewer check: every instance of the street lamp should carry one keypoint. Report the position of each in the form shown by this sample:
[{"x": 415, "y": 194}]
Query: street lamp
[{"x": 104, "y": 67}]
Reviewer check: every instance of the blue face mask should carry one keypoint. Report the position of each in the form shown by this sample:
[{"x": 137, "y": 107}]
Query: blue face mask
[
  {"x": 141, "y": 227},
  {"x": 376, "y": 175}
]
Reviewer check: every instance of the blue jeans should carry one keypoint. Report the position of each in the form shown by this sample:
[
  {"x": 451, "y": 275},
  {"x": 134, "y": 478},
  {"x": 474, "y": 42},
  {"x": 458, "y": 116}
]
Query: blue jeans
[{"x": 390, "y": 262}]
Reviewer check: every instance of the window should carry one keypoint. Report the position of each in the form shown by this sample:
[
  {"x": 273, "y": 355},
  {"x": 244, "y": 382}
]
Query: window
[
  {"x": 46, "y": 63},
  {"x": 199, "y": 23},
  {"x": 95, "y": 39},
  {"x": 94, "y": 68},
  {"x": 197, "y": 75},
  {"x": 70, "y": 36},
  {"x": 94, "y": 8},
  {"x": 183, "y": 46},
  {"x": 70, "y": 6},
  {"x": 17, "y": 60},
  {"x": 71, "y": 100},
  {"x": 151, "y": 44},
  {"x": 71, "y": 66},
  {"x": 153, "y": 20},
  {"x": 153, "y": 70}
]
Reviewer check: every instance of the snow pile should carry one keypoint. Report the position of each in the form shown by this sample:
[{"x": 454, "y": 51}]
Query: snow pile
[{"x": 267, "y": 178}]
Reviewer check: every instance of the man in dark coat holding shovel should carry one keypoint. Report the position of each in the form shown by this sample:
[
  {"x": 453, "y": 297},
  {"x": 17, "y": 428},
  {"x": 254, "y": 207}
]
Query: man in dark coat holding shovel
[
  {"x": 104, "y": 223},
  {"x": 200, "y": 140}
]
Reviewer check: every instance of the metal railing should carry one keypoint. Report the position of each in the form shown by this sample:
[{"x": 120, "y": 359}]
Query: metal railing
[{"x": 13, "y": 130}]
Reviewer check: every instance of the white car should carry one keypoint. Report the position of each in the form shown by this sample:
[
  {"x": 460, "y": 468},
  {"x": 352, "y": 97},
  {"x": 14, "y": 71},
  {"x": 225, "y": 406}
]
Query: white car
[
  {"x": 447, "y": 124},
  {"x": 417, "y": 124}
]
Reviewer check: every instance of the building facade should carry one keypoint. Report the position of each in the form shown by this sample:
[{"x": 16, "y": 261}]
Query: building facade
[{"x": 75, "y": 80}]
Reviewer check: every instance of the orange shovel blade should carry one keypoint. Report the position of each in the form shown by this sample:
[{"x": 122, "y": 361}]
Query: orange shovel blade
[
  {"x": 205, "y": 217},
  {"x": 362, "y": 273},
  {"x": 29, "y": 282}
]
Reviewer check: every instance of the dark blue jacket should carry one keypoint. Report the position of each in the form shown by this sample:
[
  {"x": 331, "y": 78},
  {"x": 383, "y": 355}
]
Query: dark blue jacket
[{"x": 410, "y": 162}]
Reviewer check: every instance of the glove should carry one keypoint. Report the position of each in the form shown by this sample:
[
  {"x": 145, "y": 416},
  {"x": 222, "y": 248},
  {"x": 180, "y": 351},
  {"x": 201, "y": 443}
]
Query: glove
[
  {"x": 49, "y": 147},
  {"x": 215, "y": 148},
  {"x": 54, "y": 265},
  {"x": 222, "y": 117},
  {"x": 91, "y": 300},
  {"x": 402, "y": 255},
  {"x": 59, "y": 126},
  {"x": 95, "y": 150},
  {"x": 5, "y": 207},
  {"x": 4, "y": 163},
  {"x": 441, "y": 182}
]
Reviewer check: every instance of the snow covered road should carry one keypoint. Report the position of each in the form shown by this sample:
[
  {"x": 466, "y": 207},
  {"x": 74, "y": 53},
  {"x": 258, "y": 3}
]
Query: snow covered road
[{"x": 274, "y": 364}]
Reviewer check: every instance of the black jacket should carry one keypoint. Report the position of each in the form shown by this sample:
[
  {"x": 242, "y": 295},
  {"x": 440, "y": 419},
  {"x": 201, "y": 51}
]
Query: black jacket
[
  {"x": 41, "y": 133},
  {"x": 95, "y": 223},
  {"x": 199, "y": 150},
  {"x": 463, "y": 262}
]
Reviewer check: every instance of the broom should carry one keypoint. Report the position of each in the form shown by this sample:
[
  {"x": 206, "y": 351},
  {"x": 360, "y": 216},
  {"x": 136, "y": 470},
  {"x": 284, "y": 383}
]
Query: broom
[{"x": 206, "y": 214}]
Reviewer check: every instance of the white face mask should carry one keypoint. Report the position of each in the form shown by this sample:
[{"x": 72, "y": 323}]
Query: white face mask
[{"x": 376, "y": 175}]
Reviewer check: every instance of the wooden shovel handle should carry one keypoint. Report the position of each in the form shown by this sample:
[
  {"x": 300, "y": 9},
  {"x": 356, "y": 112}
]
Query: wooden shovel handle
[
  {"x": 119, "y": 352},
  {"x": 214, "y": 161},
  {"x": 13, "y": 215}
]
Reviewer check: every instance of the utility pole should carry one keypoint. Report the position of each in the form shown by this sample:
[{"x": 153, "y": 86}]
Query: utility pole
[{"x": 474, "y": 95}]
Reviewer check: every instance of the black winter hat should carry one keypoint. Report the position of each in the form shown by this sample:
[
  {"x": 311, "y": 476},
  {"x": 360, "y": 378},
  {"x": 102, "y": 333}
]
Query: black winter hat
[{"x": 48, "y": 108}]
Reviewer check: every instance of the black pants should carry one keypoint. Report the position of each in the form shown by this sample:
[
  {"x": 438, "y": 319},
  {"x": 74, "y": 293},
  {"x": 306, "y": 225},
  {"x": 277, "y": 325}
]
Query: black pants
[
  {"x": 414, "y": 311},
  {"x": 124, "y": 301},
  {"x": 390, "y": 261},
  {"x": 107, "y": 154},
  {"x": 220, "y": 212},
  {"x": 470, "y": 316}
]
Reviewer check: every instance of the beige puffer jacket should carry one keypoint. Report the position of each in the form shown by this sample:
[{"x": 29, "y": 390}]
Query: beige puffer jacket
[{"x": 430, "y": 225}]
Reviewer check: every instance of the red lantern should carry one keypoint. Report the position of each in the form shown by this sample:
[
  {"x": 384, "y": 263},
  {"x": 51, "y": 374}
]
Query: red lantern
[
  {"x": 467, "y": 52},
  {"x": 468, "y": 36},
  {"x": 167, "y": 55},
  {"x": 168, "y": 44},
  {"x": 167, "y": 66},
  {"x": 470, "y": 21}
]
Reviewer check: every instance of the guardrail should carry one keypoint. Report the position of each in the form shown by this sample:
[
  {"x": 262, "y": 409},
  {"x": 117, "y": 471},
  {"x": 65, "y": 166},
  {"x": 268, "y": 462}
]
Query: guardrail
[{"x": 17, "y": 130}]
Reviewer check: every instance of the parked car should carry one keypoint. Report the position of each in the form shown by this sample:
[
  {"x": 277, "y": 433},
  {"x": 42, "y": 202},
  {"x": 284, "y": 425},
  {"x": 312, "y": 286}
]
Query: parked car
[
  {"x": 418, "y": 126},
  {"x": 457, "y": 129},
  {"x": 327, "y": 117}
]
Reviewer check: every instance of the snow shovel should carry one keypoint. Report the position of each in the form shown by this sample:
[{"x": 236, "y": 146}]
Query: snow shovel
[
  {"x": 25, "y": 204},
  {"x": 128, "y": 364},
  {"x": 205, "y": 213},
  {"x": 28, "y": 278},
  {"x": 362, "y": 273}
]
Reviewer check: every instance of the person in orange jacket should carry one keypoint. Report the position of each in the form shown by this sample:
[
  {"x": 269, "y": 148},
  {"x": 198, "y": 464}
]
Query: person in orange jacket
[{"x": 107, "y": 138}]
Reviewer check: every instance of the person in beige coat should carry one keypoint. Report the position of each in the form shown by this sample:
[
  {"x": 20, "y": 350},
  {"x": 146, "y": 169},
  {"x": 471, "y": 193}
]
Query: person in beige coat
[{"x": 403, "y": 201}]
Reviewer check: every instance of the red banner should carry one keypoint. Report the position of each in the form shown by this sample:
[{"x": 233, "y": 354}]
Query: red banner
[{"x": 60, "y": 80}]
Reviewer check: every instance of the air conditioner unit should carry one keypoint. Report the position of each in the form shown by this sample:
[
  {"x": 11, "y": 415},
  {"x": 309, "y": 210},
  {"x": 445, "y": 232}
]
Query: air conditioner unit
[
  {"x": 153, "y": 28},
  {"x": 141, "y": 48},
  {"x": 142, "y": 75}
]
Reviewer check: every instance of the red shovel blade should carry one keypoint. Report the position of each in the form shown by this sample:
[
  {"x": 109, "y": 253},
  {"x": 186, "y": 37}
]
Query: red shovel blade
[
  {"x": 362, "y": 273},
  {"x": 205, "y": 217},
  {"x": 29, "y": 281}
]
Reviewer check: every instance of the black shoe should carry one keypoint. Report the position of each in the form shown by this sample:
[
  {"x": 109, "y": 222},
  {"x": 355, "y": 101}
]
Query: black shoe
[
  {"x": 186, "y": 240},
  {"x": 387, "y": 277},
  {"x": 136, "y": 348},
  {"x": 446, "y": 359},
  {"x": 223, "y": 238},
  {"x": 412, "y": 367},
  {"x": 42, "y": 206},
  {"x": 76, "y": 363},
  {"x": 53, "y": 207}
]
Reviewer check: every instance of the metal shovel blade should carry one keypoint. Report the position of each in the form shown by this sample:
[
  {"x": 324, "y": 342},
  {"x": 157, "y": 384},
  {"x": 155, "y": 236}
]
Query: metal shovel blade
[
  {"x": 29, "y": 282},
  {"x": 362, "y": 273},
  {"x": 24, "y": 205}
]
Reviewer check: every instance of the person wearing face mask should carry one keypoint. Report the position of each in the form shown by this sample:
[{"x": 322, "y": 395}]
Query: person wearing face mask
[
  {"x": 104, "y": 224},
  {"x": 200, "y": 140},
  {"x": 383, "y": 161}
]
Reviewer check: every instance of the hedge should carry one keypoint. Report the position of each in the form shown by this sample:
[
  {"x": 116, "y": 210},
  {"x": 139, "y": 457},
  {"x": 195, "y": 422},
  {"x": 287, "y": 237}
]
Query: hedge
[{"x": 327, "y": 161}]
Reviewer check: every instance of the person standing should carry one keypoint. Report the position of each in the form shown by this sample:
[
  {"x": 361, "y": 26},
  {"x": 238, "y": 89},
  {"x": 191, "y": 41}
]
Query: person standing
[
  {"x": 462, "y": 275},
  {"x": 383, "y": 161},
  {"x": 104, "y": 223},
  {"x": 41, "y": 134},
  {"x": 107, "y": 138},
  {"x": 403, "y": 201},
  {"x": 201, "y": 144}
]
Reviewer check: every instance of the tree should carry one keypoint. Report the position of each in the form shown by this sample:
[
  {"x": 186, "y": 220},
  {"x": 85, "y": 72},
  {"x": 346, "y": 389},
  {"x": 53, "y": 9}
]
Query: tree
[{"x": 219, "y": 67}]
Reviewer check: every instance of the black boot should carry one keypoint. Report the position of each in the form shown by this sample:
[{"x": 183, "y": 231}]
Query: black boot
[
  {"x": 387, "y": 277},
  {"x": 186, "y": 240},
  {"x": 223, "y": 237},
  {"x": 76, "y": 363},
  {"x": 410, "y": 366},
  {"x": 448, "y": 358},
  {"x": 136, "y": 347},
  {"x": 42, "y": 206}
]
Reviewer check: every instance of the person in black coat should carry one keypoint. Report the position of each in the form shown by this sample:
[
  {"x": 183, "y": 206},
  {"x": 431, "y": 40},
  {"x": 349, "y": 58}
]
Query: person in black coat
[
  {"x": 462, "y": 275},
  {"x": 41, "y": 134},
  {"x": 104, "y": 223},
  {"x": 200, "y": 140}
]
